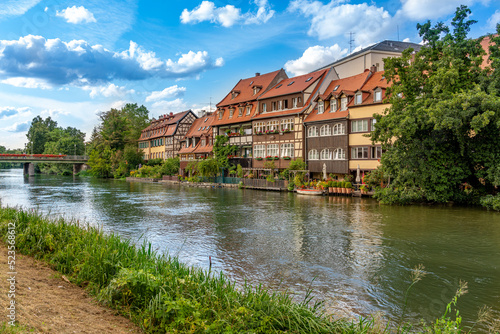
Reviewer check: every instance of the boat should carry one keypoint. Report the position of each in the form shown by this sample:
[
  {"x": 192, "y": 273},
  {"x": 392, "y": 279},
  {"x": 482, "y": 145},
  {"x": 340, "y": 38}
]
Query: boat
[{"x": 312, "y": 192}]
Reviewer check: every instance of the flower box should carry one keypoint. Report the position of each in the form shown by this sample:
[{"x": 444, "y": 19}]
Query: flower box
[
  {"x": 287, "y": 158},
  {"x": 271, "y": 132},
  {"x": 258, "y": 159},
  {"x": 276, "y": 158}
]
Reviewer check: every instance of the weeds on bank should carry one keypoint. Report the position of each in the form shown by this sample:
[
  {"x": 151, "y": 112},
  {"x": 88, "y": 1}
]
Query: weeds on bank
[{"x": 162, "y": 294}]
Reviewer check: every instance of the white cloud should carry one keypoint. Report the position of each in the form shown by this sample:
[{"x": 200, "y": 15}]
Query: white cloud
[
  {"x": 111, "y": 90},
  {"x": 27, "y": 82},
  {"x": 494, "y": 20},
  {"x": 228, "y": 15},
  {"x": 118, "y": 104},
  {"x": 53, "y": 113},
  {"x": 174, "y": 106},
  {"x": 18, "y": 127},
  {"x": 167, "y": 93},
  {"x": 76, "y": 15},
  {"x": 429, "y": 9},
  {"x": 16, "y": 7},
  {"x": 77, "y": 62},
  {"x": 334, "y": 19},
  {"x": 407, "y": 40},
  {"x": 313, "y": 58},
  {"x": 10, "y": 112}
]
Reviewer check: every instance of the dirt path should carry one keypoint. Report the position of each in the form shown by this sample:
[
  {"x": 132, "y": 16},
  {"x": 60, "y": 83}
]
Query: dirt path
[{"x": 48, "y": 304}]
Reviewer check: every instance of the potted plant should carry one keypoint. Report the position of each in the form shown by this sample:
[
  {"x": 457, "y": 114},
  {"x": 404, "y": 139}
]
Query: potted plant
[
  {"x": 330, "y": 187},
  {"x": 364, "y": 189},
  {"x": 342, "y": 187},
  {"x": 348, "y": 187}
]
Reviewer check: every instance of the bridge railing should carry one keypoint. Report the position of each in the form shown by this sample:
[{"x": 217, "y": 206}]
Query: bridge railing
[{"x": 39, "y": 157}]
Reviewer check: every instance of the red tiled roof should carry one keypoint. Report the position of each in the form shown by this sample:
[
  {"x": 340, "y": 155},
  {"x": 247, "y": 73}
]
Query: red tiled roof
[
  {"x": 349, "y": 84},
  {"x": 236, "y": 118},
  {"x": 485, "y": 44},
  {"x": 279, "y": 113},
  {"x": 203, "y": 149},
  {"x": 293, "y": 85},
  {"x": 245, "y": 89},
  {"x": 185, "y": 149},
  {"x": 201, "y": 126}
]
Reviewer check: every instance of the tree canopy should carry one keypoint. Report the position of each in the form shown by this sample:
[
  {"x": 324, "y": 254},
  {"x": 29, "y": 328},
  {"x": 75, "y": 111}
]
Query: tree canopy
[{"x": 441, "y": 134}]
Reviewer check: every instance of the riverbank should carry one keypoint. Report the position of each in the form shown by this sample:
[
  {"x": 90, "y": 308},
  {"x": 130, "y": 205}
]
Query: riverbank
[{"x": 47, "y": 303}]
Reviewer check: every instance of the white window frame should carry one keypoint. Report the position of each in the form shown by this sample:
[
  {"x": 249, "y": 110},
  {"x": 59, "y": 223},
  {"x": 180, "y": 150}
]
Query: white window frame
[
  {"x": 377, "y": 95},
  {"x": 333, "y": 105},
  {"x": 294, "y": 102},
  {"x": 280, "y": 105},
  {"x": 338, "y": 154},
  {"x": 338, "y": 129},
  {"x": 373, "y": 121},
  {"x": 287, "y": 124},
  {"x": 358, "y": 98},
  {"x": 259, "y": 151},
  {"x": 360, "y": 150},
  {"x": 313, "y": 154},
  {"x": 325, "y": 154},
  {"x": 249, "y": 108},
  {"x": 360, "y": 125},
  {"x": 273, "y": 150},
  {"x": 259, "y": 127},
  {"x": 376, "y": 152},
  {"x": 264, "y": 107},
  {"x": 321, "y": 107},
  {"x": 343, "y": 103},
  {"x": 240, "y": 111},
  {"x": 231, "y": 112},
  {"x": 273, "y": 125},
  {"x": 312, "y": 131},
  {"x": 325, "y": 130},
  {"x": 287, "y": 150}
]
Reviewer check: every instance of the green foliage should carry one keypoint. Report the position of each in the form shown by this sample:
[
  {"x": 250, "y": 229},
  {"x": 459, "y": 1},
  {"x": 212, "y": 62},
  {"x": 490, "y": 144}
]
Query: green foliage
[
  {"x": 192, "y": 168},
  {"x": 4, "y": 150},
  {"x": 270, "y": 178},
  {"x": 270, "y": 165},
  {"x": 491, "y": 202},
  {"x": 154, "y": 162},
  {"x": 171, "y": 166},
  {"x": 113, "y": 144},
  {"x": 239, "y": 171},
  {"x": 208, "y": 167},
  {"x": 221, "y": 150},
  {"x": 38, "y": 134},
  {"x": 443, "y": 127}
]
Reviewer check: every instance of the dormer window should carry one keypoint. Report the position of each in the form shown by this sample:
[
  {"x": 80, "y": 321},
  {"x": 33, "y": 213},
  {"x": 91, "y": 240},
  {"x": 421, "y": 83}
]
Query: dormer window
[
  {"x": 358, "y": 98},
  {"x": 377, "y": 96},
  {"x": 264, "y": 107},
  {"x": 294, "y": 102},
  {"x": 333, "y": 105},
  {"x": 256, "y": 89},
  {"x": 240, "y": 111},
  {"x": 234, "y": 93},
  {"x": 249, "y": 108},
  {"x": 309, "y": 79},
  {"x": 221, "y": 113},
  {"x": 343, "y": 103},
  {"x": 231, "y": 112},
  {"x": 280, "y": 105},
  {"x": 321, "y": 107}
]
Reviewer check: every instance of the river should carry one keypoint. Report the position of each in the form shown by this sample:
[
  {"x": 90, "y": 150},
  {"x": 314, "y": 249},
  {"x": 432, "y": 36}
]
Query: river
[{"x": 353, "y": 253}]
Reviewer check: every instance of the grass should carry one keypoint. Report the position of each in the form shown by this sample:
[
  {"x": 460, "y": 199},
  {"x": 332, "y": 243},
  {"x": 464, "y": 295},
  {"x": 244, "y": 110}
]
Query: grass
[{"x": 163, "y": 295}]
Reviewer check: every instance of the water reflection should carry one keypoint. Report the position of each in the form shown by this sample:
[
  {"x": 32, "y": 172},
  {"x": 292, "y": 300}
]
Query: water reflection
[{"x": 354, "y": 253}]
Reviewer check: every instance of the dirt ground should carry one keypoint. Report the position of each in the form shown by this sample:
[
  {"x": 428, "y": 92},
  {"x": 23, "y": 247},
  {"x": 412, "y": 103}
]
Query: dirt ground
[{"x": 45, "y": 303}]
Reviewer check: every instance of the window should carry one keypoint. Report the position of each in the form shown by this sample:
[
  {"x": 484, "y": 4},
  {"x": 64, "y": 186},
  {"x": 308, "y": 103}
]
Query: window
[
  {"x": 339, "y": 154},
  {"x": 336, "y": 87},
  {"x": 338, "y": 129},
  {"x": 203, "y": 142},
  {"x": 273, "y": 106},
  {"x": 285, "y": 104},
  {"x": 309, "y": 79},
  {"x": 376, "y": 152},
  {"x": 333, "y": 105},
  {"x": 299, "y": 101},
  {"x": 359, "y": 126},
  {"x": 240, "y": 111},
  {"x": 372, "y": 124},
  {"x": 273, "y": 150},
  {"x": 358, "y": 98},
  {"x": 220, "y": 114},
  {"x": 259, "y": 127},
  {"x": 321, "y": 107},
  {"x": 294, "y": 102},
  {"x": 206, "y": 119},
  {"x": 273, "y": 125},
  {"x": 325, "y": 130},
  {"x": 359, "y": 153},
  {"x": 264, "y": 107},
  {"x": 313, "y": 154},
  {"x": 312, "y": 131},
  {"x": 325, "y": 154},
  {"x": 280, "y": 105},
  {"x": 343, "y": 103},
  {"x": 291, "y": 83},
  {"x": 249, "y": 108},
  {"x": 287, "y": 124},
  {"x": 231, "y": 111},
  {"x": 287, "y": 150},
  {"x": 377, "y": 97}
]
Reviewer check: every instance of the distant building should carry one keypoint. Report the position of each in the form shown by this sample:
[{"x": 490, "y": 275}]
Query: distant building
[
  {"x": 234, "y": 113},
  {"x": 358, "y": 62},
  {"x": 198, "y": 142},
  {"x": 162, "y": 138}
]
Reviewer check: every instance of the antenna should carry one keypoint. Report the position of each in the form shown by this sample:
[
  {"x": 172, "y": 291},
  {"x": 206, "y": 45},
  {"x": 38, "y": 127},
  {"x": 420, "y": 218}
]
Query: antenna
[
  {"x": 351, "y": 41},
  {"x": 398, "y": 32}
]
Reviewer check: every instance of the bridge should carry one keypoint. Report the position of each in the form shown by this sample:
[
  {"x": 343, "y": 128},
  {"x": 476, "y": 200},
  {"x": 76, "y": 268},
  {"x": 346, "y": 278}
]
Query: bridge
[{"x": 29, "y": 160}]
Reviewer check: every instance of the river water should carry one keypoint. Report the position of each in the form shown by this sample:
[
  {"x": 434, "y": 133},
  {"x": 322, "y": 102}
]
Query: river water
[{"x": 355, "y": 254}]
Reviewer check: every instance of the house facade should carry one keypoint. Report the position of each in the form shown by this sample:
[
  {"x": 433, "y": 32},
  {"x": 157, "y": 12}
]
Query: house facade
[
  {"x": 278, "y": 132},
  {"x": 362, "y": 152},
  {"x": 162, "y": 138},
  {"x": 198, "y": 142},
  {"x": 234, "y": 113}
]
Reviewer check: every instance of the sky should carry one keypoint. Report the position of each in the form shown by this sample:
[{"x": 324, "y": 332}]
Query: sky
[{"x": 71, "y": 60}]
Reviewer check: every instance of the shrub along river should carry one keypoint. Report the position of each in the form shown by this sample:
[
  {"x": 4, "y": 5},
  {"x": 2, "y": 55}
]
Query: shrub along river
[{"x": 353, "y": 253}]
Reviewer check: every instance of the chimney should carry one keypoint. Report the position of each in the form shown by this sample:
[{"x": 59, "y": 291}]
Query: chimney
[
  {"x": 373, "y": 69},
  {"x": 257, "y": 74}
]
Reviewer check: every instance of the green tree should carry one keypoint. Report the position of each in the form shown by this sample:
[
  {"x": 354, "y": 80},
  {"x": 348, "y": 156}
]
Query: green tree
[
  {"x": 208, "y": 167},
  {"x": 38, "y": 134},
  {"x": 442, "y": 131},
  {"x": 222, "y": 149}
]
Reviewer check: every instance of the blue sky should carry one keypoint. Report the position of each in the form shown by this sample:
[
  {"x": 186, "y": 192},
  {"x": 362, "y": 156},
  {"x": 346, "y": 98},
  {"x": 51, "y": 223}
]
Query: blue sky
[{"x": 71, "y": 60}]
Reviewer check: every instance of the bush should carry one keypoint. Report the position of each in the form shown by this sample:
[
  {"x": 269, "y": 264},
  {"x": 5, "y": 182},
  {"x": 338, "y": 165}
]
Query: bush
[{"x": 491, "y": 202}]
